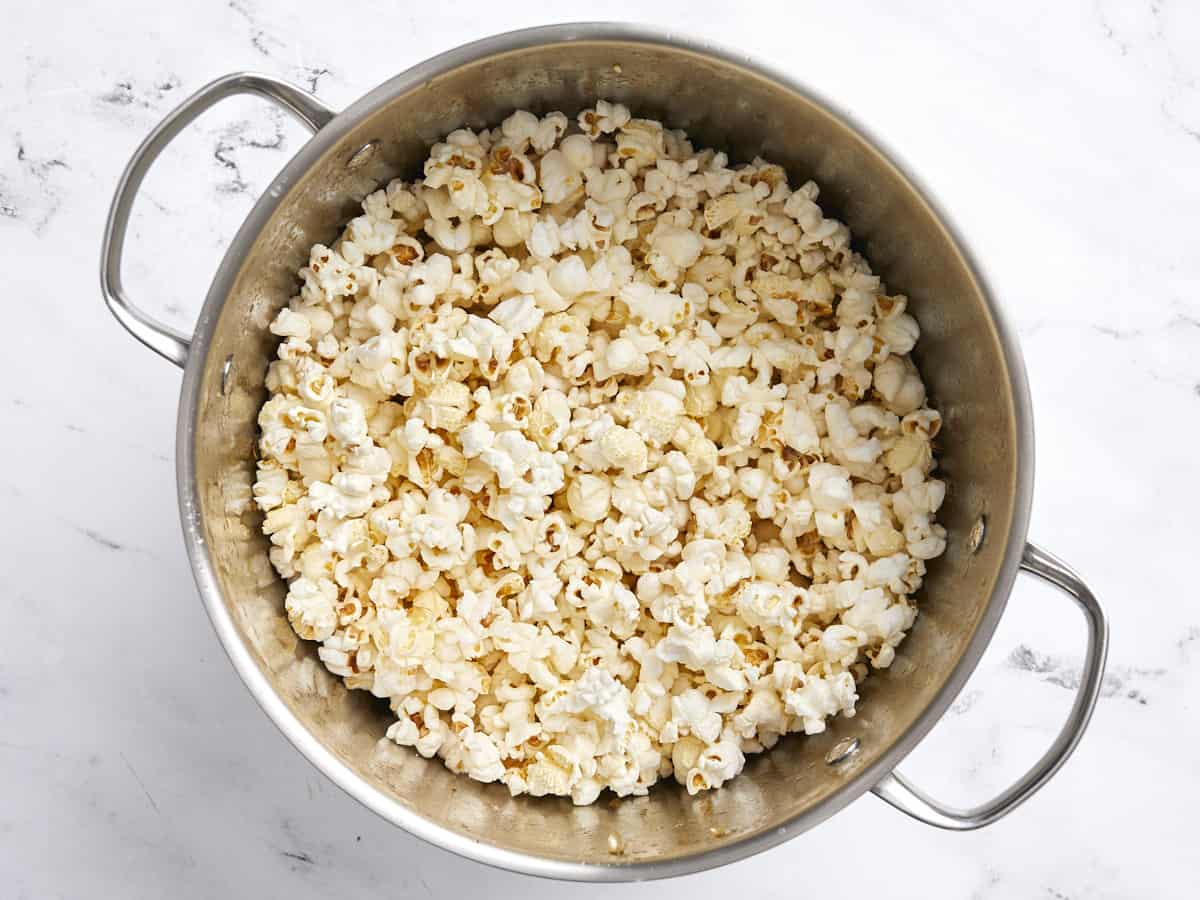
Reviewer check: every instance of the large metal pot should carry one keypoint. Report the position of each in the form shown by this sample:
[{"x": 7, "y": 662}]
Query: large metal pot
[{"x": 967, "y": 354}]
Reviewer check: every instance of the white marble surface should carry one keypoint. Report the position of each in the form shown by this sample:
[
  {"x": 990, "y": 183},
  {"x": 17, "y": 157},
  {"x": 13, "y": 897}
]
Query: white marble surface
[{"x": 1063, "y": 137}]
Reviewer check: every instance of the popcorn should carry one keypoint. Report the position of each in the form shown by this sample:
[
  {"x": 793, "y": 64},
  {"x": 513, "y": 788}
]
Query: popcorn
[
  {"x": 596, "y": 458},
  {"x": 314, "y": 383},
  {"x": 713, "y": 767},
  {"x": 562, "y": 170},
  {"x": 899, "y": 332},
  {"x": 598, "y": 693},
  {"x": 270, "y": 486},
  {"x": 829, "y": 487},
  {"x": 510, "y": 456},
  {"x": 291, "y": 324},
  {"x": 692, "y": 713},
  {"x": 550, "y": 419},
  {"x": 623, "y": 357},
  {"x": 517, "y": 315},
  {"x": 346, "y": 495},
  {"x": 347, "y": 422},
  {"x": 694, "y": 647},
  {"x": 310, "y": 608},
  {"x": 611, "y": 605},
  {"x": 622, "y": 448},
  {"x": 604, "y": 119},
  {"x": 768, "y": 604},
  {"x": 588, "y": 498},
  {"x": 898, "y": 383},
  {"x": 446, "y": 405},
  {"x": 674, "y": 249},
  {"x": 817, "y": 698},
  {"x": 654, "y": 412}
]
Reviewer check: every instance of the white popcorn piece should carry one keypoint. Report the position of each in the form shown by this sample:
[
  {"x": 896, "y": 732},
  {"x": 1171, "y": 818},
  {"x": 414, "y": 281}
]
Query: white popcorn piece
[
  {"x": 270, "y": 486},
  {"x": 901, "y": 387},
  {"x": 597, "y": 693},
  {"x": 692, "y": 713},
  {"x": 899, "y": 332},
  {"x": 310, "y": 608},
  {"x": 347, "y": 495},
  {"x": 714, "y": 766},
  {"x": 623, "y": 357},
  {"x": 829, "y": 487},
  {"x": 517, "y": 315},
  {"x": 624, "y": 449},
  {"x": 292, "y": 324},
  {"x": 348, "y": 422},
  {"x": 817, "y": 698},
  {"x": 767, "y": 603},
  {"x": 588, "y": 497},
  {"x": 692, "y": 646},
  {"x": 570, "y": 277},
  {"x": 604, "y": 119},
  {"x": 598, "y": 458}
]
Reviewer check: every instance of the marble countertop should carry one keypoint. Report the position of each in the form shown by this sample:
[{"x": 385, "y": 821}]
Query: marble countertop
[{"x": 1063, "y": 138}]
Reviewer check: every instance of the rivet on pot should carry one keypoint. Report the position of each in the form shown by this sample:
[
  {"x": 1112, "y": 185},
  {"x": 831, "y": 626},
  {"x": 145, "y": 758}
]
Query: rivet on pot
[
  {"x": 977, "y": 535},
  {"x": 226, "y": 371},
  {"x": 362, "y": 155},
  {"x": 842, "y": 751}
]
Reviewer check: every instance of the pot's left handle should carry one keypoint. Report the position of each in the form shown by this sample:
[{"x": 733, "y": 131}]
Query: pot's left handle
[
  {"x": 166, "y": 341},
  {"x": 908, "y": 798}
]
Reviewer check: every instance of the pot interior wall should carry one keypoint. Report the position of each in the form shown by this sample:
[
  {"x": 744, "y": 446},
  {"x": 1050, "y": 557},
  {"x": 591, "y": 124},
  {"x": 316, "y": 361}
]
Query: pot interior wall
[{"x": 723, "y": 106}]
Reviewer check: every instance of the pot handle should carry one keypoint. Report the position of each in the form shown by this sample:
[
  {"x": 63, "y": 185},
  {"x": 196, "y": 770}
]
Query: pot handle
[
  {"x": 897, "y": 790},
  {"x": 163, "y": 340}
]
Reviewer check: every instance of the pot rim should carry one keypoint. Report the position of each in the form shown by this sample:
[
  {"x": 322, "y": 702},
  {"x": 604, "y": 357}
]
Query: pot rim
[{"x": 303, "y": 740}]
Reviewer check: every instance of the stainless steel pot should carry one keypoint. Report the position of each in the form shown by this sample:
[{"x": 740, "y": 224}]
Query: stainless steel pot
[{"x": 967, "y": 354}]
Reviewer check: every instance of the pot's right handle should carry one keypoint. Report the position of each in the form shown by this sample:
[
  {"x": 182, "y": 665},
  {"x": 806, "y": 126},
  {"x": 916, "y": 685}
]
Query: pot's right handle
[
  {"x": 897, "y": 791},
  {"x": 163, "y": 340}
]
